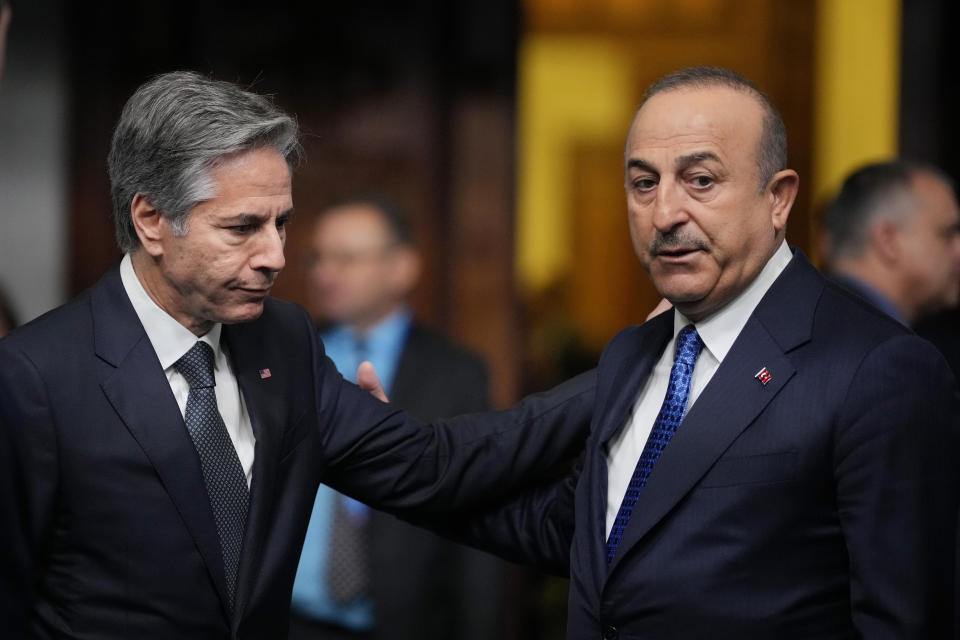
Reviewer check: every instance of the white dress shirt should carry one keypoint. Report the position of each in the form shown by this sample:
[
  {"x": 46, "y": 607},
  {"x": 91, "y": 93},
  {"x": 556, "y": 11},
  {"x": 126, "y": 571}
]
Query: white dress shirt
[
  {"x": 718, "y": 333},
  {"x": 170, "y": 341}
]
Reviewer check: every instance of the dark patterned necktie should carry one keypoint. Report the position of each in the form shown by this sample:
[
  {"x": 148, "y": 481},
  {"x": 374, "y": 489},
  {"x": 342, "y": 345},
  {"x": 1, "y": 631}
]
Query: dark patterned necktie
[
  {"x": 674, "y": 406},
  {"x": 222, "y": 472}
]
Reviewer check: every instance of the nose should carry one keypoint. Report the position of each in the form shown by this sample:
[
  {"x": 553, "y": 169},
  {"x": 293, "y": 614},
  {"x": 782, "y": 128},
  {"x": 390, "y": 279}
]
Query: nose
[
  {"x": 269, "y": 255},
  {"x": 669, "y": 207}
]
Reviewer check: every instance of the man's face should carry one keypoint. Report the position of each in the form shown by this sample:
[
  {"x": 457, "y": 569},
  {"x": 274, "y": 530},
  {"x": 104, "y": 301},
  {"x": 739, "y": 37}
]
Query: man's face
[
  {"x": 700, "y": 223},
  {"x": 357, "y": 272},
  {"x": 931, "y": 244},
  {"x": 223, "y": 268}
]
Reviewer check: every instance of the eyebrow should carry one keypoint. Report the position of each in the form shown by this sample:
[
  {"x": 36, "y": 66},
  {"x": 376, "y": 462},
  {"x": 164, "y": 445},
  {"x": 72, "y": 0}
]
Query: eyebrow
[
  {"x": 682, "y": 162},
  {"x": 696, "y": 157},
  {"x": 642, "y": 165},
  {"x": 254, "y": 218}
]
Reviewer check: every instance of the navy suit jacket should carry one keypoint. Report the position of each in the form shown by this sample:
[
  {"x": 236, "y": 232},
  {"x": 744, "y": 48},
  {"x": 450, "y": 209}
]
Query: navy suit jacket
[
  {"x": 822, "y": 504},
  {"x": 107, "y": 530}
]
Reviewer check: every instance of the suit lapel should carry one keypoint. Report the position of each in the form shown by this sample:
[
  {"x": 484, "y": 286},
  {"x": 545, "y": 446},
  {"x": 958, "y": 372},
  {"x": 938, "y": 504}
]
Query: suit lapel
[
  {"x": 264, "y": 403},
  {"x": 635, "y": 353},
  {"x": 139, "y": 392},
  {"x": 733, "y": 398},
  {"x": 636, "y": 360}
]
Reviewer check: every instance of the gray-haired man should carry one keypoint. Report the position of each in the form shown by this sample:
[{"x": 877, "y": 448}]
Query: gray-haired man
[{"x": 162, "y": 436}]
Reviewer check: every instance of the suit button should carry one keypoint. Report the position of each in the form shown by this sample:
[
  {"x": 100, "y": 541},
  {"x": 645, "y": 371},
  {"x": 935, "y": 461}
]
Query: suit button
[{"x": 610, "y": 632}]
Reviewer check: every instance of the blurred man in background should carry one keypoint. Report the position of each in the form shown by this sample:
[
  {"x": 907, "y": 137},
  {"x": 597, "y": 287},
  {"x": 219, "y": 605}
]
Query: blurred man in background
[
  {"x": 363, "y": 572},
  {"x": 893, "y": 237}
]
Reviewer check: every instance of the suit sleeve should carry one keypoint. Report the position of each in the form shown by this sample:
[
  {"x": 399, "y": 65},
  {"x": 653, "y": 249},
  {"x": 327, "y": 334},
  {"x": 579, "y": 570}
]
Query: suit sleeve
[
  {"x": 535, "y": 527},
  {"x": 895, "y": 463},
  {"x": 28, "y": 481},
  {"x": 392, "y": 462}
]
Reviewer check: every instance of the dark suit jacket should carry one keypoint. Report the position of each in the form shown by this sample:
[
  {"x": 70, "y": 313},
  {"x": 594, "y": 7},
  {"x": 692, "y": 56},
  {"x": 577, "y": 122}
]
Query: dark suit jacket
[
  {"x": 107, "y": 530},
  {"x": 425, "y": 587},
  {"x": 822, "y": 504}
]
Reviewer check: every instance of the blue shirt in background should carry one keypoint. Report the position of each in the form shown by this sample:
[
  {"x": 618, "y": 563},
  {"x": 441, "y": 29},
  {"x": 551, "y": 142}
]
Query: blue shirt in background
[{"x": 382, "y": 346}]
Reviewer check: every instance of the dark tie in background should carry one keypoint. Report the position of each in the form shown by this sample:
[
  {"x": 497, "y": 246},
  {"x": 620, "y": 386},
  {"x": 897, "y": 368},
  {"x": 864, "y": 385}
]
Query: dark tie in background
[
  {"x": 222, "y": 471},
  {"x": 348, "y": 557},
  {"x": 347, "y": 574},
  {"x": 674, "y": 406}
]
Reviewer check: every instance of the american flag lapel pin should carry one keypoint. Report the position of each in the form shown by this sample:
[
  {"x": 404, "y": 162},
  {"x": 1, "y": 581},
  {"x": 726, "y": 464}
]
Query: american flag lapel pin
[
  {"x": 763, "y": 376},
  {"x": 264, "y": 374}
]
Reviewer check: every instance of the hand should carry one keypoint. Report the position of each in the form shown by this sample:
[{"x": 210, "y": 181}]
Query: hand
[
  {"x": 368, "y": 380},
  {"x": 662, "y": 306}
]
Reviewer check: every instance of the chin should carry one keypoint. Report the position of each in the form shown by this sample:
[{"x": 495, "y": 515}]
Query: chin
[
  {"x": 678, "y": 292},
  {"x": 246, "y": 313}
]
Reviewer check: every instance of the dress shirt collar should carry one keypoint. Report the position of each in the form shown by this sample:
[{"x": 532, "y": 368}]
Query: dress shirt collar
[
  {"x": 382, "y": 345},
  {"x": 871, "y": 295},
  {"x": 169, "y": 338},
  {"x": 719, "y": 331}
]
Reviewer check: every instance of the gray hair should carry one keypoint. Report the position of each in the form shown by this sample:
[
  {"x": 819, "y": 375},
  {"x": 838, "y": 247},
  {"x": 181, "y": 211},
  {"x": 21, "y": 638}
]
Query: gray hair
[
  {"x": 173, "y": 131},
  {"x": 874, "y": 192},
  {"x": 772, "y": 149}
]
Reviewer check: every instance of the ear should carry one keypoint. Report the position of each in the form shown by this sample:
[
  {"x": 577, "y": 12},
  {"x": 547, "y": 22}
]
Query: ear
[
  {"x": 149, "y": 223},
  {"x": 885, "y": 239},
  {"x": 782, "y": 190}
]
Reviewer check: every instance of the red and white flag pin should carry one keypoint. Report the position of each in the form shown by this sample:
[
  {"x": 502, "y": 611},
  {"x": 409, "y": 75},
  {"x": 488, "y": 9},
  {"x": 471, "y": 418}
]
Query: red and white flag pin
[
  {"x": 264, "y": 374},
  {"x": 763, "y": 376}
]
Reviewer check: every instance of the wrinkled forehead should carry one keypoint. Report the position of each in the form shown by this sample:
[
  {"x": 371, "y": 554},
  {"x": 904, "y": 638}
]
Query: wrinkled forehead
[{"x": 723, "y": 120}]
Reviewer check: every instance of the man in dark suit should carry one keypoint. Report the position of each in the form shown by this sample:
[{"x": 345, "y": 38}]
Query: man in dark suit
[
  {"x": 892, "y": 236},
  {"x": 363, "y": 265},
  {"x": 162, "y": 436},
  {"x": 811, "y": 489},
  {"x": 774, "y": 458}
]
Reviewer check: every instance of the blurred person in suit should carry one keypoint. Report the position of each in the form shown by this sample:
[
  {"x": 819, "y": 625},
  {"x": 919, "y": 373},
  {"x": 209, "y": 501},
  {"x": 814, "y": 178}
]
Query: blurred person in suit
[
  {"x": 362, "y": 267},
  {"x": 892, "y": 235}
]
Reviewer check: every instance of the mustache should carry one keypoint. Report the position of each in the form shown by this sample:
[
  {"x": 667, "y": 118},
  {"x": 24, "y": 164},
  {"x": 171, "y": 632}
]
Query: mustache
[{"x": 676, "y": 240}]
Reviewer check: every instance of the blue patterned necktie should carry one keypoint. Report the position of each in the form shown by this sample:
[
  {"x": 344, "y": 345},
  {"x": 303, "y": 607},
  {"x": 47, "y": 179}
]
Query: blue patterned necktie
[
  {"x": 222, "y": 472},
  {"x": 674, "y": 405}
]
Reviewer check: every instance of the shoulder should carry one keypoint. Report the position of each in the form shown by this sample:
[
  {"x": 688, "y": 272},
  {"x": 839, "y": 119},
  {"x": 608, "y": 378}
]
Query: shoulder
[
  {"x": 280, "y": 313},
  {"x": 283, "y": 328},
  {"x": 850, "y": 329},
  {"x": 426, "y": 343},
  {"x": 53, "y": 335}
]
